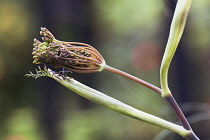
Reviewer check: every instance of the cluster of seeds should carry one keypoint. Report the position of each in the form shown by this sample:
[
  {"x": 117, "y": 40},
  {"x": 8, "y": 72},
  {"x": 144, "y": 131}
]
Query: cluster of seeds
[{"x": 74, "y": 56}]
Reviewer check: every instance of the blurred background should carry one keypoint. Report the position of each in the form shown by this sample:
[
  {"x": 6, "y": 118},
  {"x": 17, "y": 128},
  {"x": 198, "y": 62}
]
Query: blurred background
[{"x": 131, "y": 35}]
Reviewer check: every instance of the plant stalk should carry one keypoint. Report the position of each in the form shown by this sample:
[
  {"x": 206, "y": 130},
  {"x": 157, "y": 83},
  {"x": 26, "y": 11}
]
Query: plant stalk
[
  {"x": 131, "y": 77},
  {"x": 170, "y": 99},
  {"x": 192, "y": 136},
  {"x": 116, "y": 105},
  {"x": 176, "y": 31}
]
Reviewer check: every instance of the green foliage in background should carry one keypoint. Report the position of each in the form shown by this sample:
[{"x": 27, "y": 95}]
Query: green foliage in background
[{"x": 121, "y": 25}]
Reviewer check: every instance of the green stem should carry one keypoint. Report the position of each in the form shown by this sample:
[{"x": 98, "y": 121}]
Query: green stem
[
  {"x": 176, "y": 30},
  {"x": 170, "y": 99},
  {"x": 116, "y": 105},
  {"x": 131, "y": 77}
]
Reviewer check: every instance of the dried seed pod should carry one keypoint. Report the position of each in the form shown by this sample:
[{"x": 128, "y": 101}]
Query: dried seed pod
[{"x": 74, "y": 56}]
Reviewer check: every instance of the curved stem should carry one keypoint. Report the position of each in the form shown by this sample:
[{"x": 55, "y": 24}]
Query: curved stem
[
  {"x": 176, "y": 31},
  {"x": 131, "y": 77},
  {"x": 169, "y": 98},
  {"x": 116, "y": 105}
]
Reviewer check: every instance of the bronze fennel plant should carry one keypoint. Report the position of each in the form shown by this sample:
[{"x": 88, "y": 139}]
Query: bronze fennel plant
[{"x": 83, "y": 58}]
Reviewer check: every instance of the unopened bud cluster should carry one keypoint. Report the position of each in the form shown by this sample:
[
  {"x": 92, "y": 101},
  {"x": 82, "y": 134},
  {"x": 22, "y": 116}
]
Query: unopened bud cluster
[{"x": 74, "y": 56}]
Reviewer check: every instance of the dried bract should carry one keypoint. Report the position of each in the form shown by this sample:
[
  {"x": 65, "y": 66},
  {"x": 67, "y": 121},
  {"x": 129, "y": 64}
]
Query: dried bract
[{"x": 74, "y": 56}]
